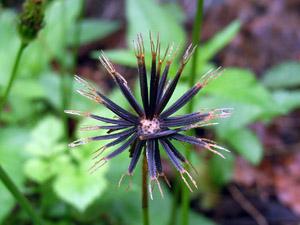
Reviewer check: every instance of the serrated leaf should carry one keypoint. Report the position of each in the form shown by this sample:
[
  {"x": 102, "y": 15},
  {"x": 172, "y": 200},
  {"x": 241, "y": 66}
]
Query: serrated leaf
[
  {"x": 246, "y": 143},
  {"x": 79, "y": 188},
  {"x": 219, "y": 41},
  {"x": 284, "y": 75}
]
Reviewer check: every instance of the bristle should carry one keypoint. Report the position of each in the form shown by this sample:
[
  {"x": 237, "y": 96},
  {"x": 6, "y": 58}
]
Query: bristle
[
  {"x": 78, "y": 142},
  {"x": 77, "y": 113}
]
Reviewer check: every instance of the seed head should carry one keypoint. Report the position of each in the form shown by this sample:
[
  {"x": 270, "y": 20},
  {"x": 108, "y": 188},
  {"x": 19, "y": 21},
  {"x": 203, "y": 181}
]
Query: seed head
[{"x": 152, "y": 126}]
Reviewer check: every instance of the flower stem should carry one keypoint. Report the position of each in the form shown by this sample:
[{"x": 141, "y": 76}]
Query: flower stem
[
  {"x": 6, "y": 180},
  {"x": 173, "y": 214},
  {"x": 145, "y": 205},
  {"x": 12, "y": 77},
  {"x": 195, "y": 40},
  {"x": 4, "y": 177}
]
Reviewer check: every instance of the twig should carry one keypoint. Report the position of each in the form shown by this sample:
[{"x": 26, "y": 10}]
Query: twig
[{"x": 247, "y": 205}]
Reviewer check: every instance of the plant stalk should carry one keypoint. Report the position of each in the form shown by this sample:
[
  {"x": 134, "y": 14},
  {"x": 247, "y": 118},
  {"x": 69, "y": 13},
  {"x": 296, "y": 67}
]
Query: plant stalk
[
  {"x": 145, "y": 204},
  {"x": 12, "y": 77},
  {"x": 24, "y": 203},
  {"x": 197, "y": 28},
  {"x": 4, "y": 177}
]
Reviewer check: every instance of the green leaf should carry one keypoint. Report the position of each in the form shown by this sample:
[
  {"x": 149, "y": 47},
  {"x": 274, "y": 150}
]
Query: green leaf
[
  {"x": 146, "y": 15},
  {"x": 285, "y": 75},
  {"x": 286, "y": 101},
  {"x": 60, "y": 16},
  {"x": 9, "y": 43},
  {"x": 240, "y": 85},
  {"x": 79, "y": 188},
  {"x": 242, "y": 115},
  {"x": 219, "y": 41},
  {"x": 246, "y": 143},
  {"x": 41, "y": 170},
  {"x": 120, "y": 56},
  {"x": 36, "y": 90},
  {"x": 124, "y": 205},
  {"x": 45, "y": 138},
  {"x": 92, "y": 30},
  {"x": 11, "y": 158},
  {"x": 221, "y": 170}
]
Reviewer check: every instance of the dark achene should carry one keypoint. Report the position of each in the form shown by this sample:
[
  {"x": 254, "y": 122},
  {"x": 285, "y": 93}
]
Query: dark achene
[{"x": 151, "y": 125}]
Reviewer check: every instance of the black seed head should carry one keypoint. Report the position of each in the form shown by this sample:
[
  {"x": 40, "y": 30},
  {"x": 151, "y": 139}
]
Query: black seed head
[{"x": 151, "y": 124}]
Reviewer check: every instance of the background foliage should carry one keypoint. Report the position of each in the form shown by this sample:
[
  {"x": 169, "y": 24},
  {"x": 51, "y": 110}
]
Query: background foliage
[{"x": 33, "y": 137}]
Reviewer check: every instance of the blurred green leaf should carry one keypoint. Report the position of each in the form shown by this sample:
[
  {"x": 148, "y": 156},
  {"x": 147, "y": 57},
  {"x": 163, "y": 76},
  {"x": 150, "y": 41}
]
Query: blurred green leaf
[
  {"x": 242, "y": 115},
  {"x": 221, "y": 170},
  {"x": 46, "y": 138},
  {"x": 174, "y": 10},
  {"x": 246, "y": 143},
  {"x": 11, "y": 158},
  {"x": 125, "y": 206},
  {"x": 75, "y": 186},
  {"x": 120, "y": 56},
  {"x": 219, "y": 41},
  {"x": 284, "y": 75},
  {"x": 240, "y": 85},
  {"x": 146, "y": 15},
  {"x": 93, "y": 29},
  {"x": 22, "y": 87},
  {"x": 42, "y": 169},
  {"x": 9, "y": 43},
  {"x": 59, "y": 19},
  {"x": 286, "y": 101}
]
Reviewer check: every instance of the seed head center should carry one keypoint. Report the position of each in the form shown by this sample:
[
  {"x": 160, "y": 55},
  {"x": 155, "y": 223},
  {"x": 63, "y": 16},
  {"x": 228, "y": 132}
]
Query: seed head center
[{"x": 149, "y": 126}]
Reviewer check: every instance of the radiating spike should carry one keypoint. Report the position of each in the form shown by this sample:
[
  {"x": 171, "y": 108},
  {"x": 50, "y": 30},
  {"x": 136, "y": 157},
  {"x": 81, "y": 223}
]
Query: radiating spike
[
  {"x": 210, "y": 76},
  {"x": 97, "y": 165},
  {"x": 99, "y": 152},
  {"x": 150, "y": 191},
  {"x": 136, "y": 155},
  {"x": 123, "y": 147},
  {"x": 78, "y": 142},
  {"x": 185, "y": 98},
  {"x": 77, "y": 113},
  {"x": 185, "y": 181},
  {"x": 158, "y": 134},
  {"x": 159, "y": 187},
  {"x": 191, "y": 178},
  {"x": 90, "y": 95},
  {"x": 165, "y": 179},
  {"x": 170, "y": 90},
  {"x": 142, "y": 74},
  {"x": 130, "y": 181}
]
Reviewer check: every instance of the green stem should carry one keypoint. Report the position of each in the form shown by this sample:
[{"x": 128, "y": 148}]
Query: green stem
[
  {"x": 19, "y": 196},
  {"x": 145, "y": 205},
  {"x": 195, "y": 40},
  {"x": 173, "y": 215},
  {"x": 12, "y": 77},
  {"x": 4, "y": 177}
]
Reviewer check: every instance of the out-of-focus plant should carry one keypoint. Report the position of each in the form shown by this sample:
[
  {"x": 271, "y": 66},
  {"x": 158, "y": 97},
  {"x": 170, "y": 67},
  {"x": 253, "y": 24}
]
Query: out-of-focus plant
[
  {"x": 35, "y": 101},
  {"x": 30, "y": 23},
  {"x": 237, "y": 88},
  {"x": 36, "y": 92}
]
